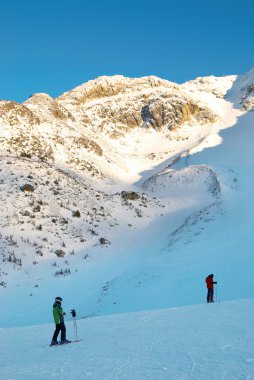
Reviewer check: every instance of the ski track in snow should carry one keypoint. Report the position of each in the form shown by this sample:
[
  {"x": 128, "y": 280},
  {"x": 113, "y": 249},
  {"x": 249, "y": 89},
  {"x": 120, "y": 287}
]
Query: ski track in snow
[{"x": 214, "y": 341}]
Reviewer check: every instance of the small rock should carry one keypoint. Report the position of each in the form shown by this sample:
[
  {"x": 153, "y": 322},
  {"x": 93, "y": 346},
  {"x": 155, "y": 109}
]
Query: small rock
[
  {"x": 104, "y": 241},
  {"x": 130, "y": 195},
  {"x": 76, "y": 214},
  {"x": 27, "y": 187},
  {"x": 59, "y": 253}
]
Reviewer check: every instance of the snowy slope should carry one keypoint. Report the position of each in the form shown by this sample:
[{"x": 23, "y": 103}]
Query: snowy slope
[
  {"x": 158, "y": 243},
  {"x": 214, "y": 342},
  {"x": 230, "y": 238},
  {"x": 63, "y": 174},
  {"x": 159, "y": 210}
]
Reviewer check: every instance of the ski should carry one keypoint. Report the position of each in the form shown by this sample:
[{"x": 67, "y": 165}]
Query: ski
[{"x": 63, "y": 344}]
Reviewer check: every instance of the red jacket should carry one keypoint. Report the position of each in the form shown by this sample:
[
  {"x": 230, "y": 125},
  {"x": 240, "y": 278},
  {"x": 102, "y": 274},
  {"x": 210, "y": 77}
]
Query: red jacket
[{"x": 209, "y": 282}]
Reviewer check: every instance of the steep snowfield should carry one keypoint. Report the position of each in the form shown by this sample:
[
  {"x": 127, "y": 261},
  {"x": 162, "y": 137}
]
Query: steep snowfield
[
  {"x": 214, "y": 342},
  {"x": 137, "y": 254}
]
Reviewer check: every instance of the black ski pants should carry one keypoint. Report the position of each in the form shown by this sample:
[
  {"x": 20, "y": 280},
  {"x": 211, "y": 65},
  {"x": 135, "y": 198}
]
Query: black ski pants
[
  {"x": 209, "y": 295},
  {"x": 60, "y": 327}
]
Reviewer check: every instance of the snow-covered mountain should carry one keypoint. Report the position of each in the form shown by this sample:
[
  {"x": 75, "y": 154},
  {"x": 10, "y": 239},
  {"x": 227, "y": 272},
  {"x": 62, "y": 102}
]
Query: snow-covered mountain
[
  {"x": 89, "y": 128},
  {"x": 66, "y": 162},
  {"x": 123, "y": 194}
]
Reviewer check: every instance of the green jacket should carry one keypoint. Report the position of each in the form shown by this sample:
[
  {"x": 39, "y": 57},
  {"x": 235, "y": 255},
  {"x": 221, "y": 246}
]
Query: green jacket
[{"x": 58, "y": 313}]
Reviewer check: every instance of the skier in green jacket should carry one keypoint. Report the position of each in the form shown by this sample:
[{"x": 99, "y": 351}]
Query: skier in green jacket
[{"x": 58, "y": 314}]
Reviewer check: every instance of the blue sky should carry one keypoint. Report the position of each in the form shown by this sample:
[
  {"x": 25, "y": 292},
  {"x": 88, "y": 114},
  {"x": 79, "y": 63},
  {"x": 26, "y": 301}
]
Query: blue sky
[{"x": 53, "y": 46}]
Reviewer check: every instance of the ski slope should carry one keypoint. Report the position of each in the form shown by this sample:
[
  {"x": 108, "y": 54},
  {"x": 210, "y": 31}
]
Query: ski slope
[
  {"x": 198, "y": 220},
  {"x": 214, "y": 342}
]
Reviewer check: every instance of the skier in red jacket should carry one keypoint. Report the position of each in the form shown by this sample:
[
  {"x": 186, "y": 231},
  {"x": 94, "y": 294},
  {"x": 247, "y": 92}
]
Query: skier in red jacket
[{"x": 209, "y": 284}]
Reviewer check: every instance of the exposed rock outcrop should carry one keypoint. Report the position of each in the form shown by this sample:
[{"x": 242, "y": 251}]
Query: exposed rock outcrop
[
  {"x": 117, "y": 105},
  {"x": 248, "y": 99},
  {"x": 15, "y": 114},
  {"x": 83, "y": 129},
  {"x": 46, "y": 108}
]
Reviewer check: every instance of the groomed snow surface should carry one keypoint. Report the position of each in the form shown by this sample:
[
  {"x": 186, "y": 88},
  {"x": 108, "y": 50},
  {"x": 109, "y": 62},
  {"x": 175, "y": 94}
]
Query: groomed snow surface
[{"x": 214, "y": 341}]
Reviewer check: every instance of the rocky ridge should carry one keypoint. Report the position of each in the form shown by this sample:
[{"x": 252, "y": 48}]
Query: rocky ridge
[{"x": 77, "y": 128}]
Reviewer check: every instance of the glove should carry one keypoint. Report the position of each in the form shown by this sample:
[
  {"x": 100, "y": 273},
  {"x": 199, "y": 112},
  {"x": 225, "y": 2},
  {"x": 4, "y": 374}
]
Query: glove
[
  {"x": 64, "y": 313},
  {"x": 215, "y": 282}
]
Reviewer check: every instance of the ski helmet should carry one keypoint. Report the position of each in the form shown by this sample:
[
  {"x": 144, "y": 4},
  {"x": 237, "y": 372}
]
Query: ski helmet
[{"x": 58, "y": 299}]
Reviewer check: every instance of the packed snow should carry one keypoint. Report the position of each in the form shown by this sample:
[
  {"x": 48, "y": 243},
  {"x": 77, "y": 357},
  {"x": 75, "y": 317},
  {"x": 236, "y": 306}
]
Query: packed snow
[{"x": 214, "y": 341}]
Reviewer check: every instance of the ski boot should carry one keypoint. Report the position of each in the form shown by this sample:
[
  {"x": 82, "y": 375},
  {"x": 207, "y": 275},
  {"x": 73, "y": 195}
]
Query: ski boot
[
  {"x": 54, "y": 343},
  {"x": 65, "y": 341}
]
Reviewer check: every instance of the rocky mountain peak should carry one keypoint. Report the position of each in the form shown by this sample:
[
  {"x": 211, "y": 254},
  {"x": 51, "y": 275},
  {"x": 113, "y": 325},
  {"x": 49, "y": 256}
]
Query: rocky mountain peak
[
  {"x": 106, "y": 86},
  {"x": 86, "y": 128}
]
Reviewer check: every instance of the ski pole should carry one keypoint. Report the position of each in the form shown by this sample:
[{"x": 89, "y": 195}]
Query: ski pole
[
  {"x": 216, "y": 298},
  {"x": 73, "y": 313}
]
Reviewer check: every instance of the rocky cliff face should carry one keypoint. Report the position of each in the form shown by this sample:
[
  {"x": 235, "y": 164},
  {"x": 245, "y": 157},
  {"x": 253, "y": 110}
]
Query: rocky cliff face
[
  {"x": 247, "y": 99},
  {"x": 74, "y": 128},
  {"x": 117, "y": 104}
]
